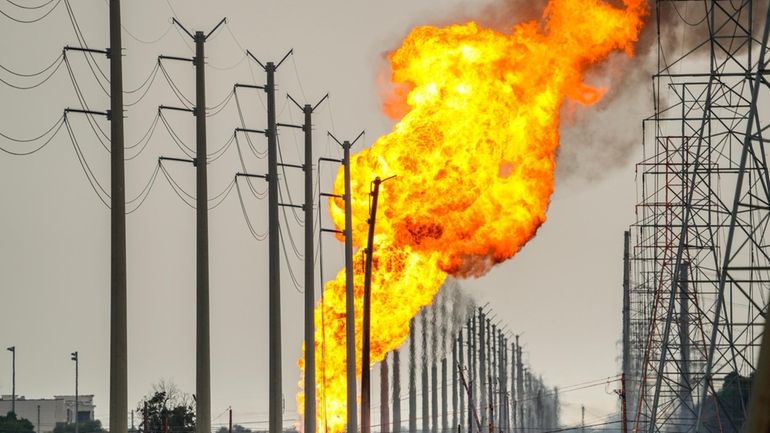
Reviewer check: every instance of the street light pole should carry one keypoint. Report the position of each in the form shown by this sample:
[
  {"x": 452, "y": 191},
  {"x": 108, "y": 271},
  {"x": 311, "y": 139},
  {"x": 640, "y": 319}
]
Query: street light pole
[
  {"x": 12, "y": 349},
  {"x": 74, "y": 357}
]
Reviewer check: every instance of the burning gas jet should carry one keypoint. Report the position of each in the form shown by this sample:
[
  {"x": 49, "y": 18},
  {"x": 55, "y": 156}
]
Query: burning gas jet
[{"x": 475, "y": 157}]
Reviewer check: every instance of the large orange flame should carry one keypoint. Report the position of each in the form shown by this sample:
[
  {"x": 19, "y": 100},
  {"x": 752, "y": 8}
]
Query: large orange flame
[{"x": 474, "y": 155}]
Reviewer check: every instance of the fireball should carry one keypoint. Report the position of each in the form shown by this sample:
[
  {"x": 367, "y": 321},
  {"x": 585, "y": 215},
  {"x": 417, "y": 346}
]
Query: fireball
[{"x": 474, "y": 156}]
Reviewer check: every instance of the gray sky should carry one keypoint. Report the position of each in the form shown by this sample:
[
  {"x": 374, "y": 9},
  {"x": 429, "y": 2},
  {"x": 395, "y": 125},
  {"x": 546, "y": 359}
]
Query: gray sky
[{"x": 562, "y": 292}]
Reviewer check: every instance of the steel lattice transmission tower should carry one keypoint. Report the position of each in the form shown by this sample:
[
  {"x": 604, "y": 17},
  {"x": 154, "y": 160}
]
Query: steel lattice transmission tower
[{"x": 700, "y": 262}]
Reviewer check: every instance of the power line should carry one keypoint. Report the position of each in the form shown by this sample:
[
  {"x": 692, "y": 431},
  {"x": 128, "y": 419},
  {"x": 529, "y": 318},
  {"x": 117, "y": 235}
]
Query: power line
[
  {"x": 89, "y": 55},
  {"x": 33, "y": 20},
  {"x": 55, "y": 65},
  {"x": 34, "y": 74},
  {"x": 84, "y": 105},
  {"x": 257, "y": 236},
  {"x": 95, "y": 185},
  {"x": 178, "y": 93},
  {"x": 55, "y": 128},
  {"x": 30, "y": 7}
]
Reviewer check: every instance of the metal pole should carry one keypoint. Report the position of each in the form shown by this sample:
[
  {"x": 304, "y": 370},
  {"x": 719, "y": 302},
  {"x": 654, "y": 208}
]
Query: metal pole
[
  {"x": 350, "y": 323},
  {"x": 202, "y": 350},
  {"x": 230, "y": 423},
  {"x": 512, "y": 390},
  {"x": 384, "y": 397},
  {"x": 472, "y": 372},
  {"x": 412, "y": 380},
  {"x": 455, "y": 347},
  {"x": 685, "y": 387},
  {"x": 434, "y": 393},
  {"x": 520, "y": 383},
  {"x": 626, "y": 301},
  {"x": 459, "y": 421},
  {"x": 118, "y": 314},
  {"x": 74, "y": 357},
  {"x": 483, "y": 368},
  {"x": 12, "y": 349},
  {"x": 365, "y": 367},
  {"x": 492, "y": 373},
  {"x": 275, "y": 368},
  {"x": 38, "y": 419},
  {"x": 425, "y": 375},
  {"x": 444, "y": 399},
  {"x": 309, "y": 282},
  {"x": 396, "y": 392}
]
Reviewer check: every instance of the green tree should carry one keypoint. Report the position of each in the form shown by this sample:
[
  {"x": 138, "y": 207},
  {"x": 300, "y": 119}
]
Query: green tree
[
  {"x": 167, "y": 410},
  {"x": 11, "y": 424},
  {"x": 90, "y": 426}
]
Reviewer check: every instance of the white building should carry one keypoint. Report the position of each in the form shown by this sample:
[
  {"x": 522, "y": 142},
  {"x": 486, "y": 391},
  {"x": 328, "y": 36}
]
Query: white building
[{"x": 45, "y": 413}]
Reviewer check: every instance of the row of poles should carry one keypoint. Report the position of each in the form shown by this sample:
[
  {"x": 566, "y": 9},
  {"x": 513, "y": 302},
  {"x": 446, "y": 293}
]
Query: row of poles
[
  {"x": 118, "y": 312},
  {"x": 482, "y": 377}
]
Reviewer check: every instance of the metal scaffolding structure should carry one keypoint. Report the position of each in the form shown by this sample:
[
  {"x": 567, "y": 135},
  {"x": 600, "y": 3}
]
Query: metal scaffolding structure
[{"x": 699, "y": 266}]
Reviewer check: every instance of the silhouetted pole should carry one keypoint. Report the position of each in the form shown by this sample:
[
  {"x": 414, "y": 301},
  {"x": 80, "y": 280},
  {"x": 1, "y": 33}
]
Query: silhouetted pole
[
  {"x": 459, "y": 421},
  {"x": 350, "y": 321},
  {"x": 412, "y": 379},
  {"x": 444, "y": 397},
  {"x": 384, "y": 397},
  {"x": 74, "y": 357},
  {"x": 12, "y": 349},
  {"x": 309, "y": 281},
  {"x": 396, "y": 392},
  {"x": 626, "y": 319},
  {"x": 310, "y": 388},
  {"x": 514, "y": 396},
  {"x": 520, "y": 383},
  {"x": 118, "y": 322},
  {"x": 203, "y": 343},
  {"x": 425, "y": 375},
  {"x": 434, "y": 392},
  {"x": 472, "y": 372},
  {"x": 455, "y": 348},
  {"x": 483, "y": 368},
  {"x": 350, "y": 311},
  {"x": 365, "y": 367},
  {"x": 230, "y": 421}
]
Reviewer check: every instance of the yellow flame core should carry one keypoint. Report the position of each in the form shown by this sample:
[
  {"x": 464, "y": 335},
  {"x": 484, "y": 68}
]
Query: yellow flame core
[{"x": 474, "y": 158}]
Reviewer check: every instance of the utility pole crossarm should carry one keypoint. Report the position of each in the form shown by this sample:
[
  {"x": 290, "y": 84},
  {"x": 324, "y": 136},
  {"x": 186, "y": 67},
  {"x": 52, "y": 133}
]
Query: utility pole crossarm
[
  {"x": 260, "y": 176},
  {"x": 338, "y": 161},
  {"x": 168, "y": 107},
  {"x": 281, "y": 164},
  {"x": 222, "y": 21},
  {"x": 176, "y": 21},
  {"x": 298, "y": 206},
  {"x": 81, "y": 111},
  {"x": 87, "y": 50},
  {"x": 248, "y": 86},
  {"x": 339, "y": 232},
  {"x": 289, "y": 125},
  {"x": 168, "y": 158},
  {"x": 326, "y": 194},
  {"x": 180, "y": 59},
  {"x": 253, "y": 131}
]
